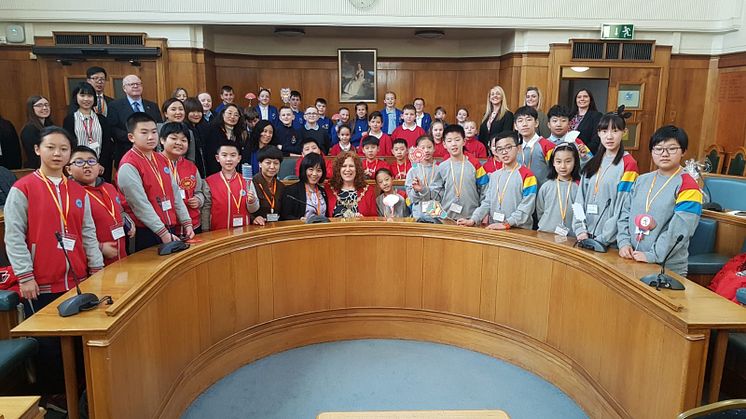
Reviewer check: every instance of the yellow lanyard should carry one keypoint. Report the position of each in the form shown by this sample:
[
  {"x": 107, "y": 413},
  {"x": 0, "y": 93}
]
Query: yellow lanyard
[
  {"x": 154, "y": 167},
  {"x": 563, "y": 213},
  {"x": 63, "y": 214},
  {"x": 501, "y": 196},
  {"x": 174, "y": 166},
  {"x": 598, "y": 179},
  {"x": 459, "y": 188},
  {"x": 110, "y": 207},
  {"x": 648, "y": 201},
  {"x": 425, "y": 176},
  {"x": 237, "y": 202}
]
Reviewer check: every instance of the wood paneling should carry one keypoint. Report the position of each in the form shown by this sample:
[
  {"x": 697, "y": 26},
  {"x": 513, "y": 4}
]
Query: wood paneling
[
  {"x": 194, "y": 317},
  {"x": 688, "y": 75},
  {"x": 21, "y": 79}
]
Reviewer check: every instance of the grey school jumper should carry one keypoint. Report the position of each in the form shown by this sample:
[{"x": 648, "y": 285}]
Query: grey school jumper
[
  {"x": 426, "y": 174},
  {"x": 518, "y": 194},
  {"x": 548, "y": 205},
  {"x": 448, "y": 179}
]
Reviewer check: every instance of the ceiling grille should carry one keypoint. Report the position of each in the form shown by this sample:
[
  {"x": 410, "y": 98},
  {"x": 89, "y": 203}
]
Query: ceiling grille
[
  {"x": 612, "y": 51},
  {"x": 99, "y": 39}
]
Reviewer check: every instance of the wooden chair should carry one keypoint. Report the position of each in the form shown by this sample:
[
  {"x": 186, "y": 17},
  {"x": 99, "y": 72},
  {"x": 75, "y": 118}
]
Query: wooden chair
[
  {"x": 713, "y": 409},
  {"x": 737, "y": 162},
  {"x": 716, "y": 156}
]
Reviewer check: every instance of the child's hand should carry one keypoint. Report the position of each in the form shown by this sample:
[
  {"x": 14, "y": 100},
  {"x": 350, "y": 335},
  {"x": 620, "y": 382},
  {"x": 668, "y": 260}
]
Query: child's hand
[
  {"x": 626, "y": 252},
  {"x": 465, "y": 222},
  {"x": 250, "y": 198},
  {"x": 496, "y": 226},
  {"x": 639, "y": 256},
  {"x": 582, "y": 236},
  {"x": 416, "y": 185},
  {"x": 109, "y": 250},
  {"x": 260, "y": 221},
  {"x": 189, "y": 232},
  {"x": 193, "y": 202}
]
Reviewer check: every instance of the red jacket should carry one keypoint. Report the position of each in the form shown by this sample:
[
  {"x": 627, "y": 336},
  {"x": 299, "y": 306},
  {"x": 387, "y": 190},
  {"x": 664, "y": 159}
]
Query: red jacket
[
  {"x": 492, "y": 165},
  {"x": 51, "y": 271},
  {"x": 370, "y": 168},
  {"x": 400, "y": 171},
  {"x": 385, "y": 144},
  {"x": 410, "y": 136},
  {"x": 185, "y": 173},
  {"x": 226, "y": 207},
  {"x": 106, "y": 210},
  {"x": 337, "y": 149},
  {"x": 156, "y": 191},
  {"x": 366, "y": 204},
  {"x": 475, "y": 148},
  {"x": 440, "y": 151}
]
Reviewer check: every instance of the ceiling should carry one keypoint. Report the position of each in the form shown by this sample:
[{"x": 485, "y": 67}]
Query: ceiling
[{"x": 358, "y": 32}]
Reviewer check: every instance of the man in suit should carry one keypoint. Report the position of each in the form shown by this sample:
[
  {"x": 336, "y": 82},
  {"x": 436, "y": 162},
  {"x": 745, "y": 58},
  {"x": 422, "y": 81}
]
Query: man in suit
[
  {"x": 96, "y": 77},
  {"x": 121, "y": 109}
]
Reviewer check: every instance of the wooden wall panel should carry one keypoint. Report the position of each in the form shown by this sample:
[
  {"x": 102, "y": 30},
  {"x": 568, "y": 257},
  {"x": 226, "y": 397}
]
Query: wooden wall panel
[
  {"x": 686, "y": 76},
  {"x": 731, "y": 93},
  {"x": 21, "y": 79}
]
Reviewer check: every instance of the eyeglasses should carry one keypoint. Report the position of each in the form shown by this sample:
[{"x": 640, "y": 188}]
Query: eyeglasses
[
  {"x": 311, "y": 113},
  {"x": 98, "y": 79},
  {"x": 671, "y": 150},
  {"x": 502, "y": 150},
  {"x": 80, "y": 162},
  {"x": 41, "y": 105},
  {"x": 136, "y": 84}
]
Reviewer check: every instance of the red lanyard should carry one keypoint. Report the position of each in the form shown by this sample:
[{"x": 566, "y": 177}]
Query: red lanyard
[
  {"x": 154, "y": 167},
  {"x": 88, "y": 128},
  {"x": 237, "y": 202},
  {"x": 63, "y": 214},
  {"x": 272, "y": 200},
  {"x": 109, "y": 208}
]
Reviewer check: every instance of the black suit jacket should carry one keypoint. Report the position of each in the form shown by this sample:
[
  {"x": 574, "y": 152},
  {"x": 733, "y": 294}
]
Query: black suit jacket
[
  {"x": 292, "y": 209},
  {"x": 11, "y": 145},
  {"x": 106, "y": 156},
  {"x": 498, "y": 125},
  {"x": 119, "y": 111},
  {"x": 588, "y": 129}
]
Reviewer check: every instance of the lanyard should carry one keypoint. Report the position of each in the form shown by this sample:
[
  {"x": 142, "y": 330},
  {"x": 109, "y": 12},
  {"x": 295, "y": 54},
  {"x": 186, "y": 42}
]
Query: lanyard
[
  {"x": 530, "y": 156},
  {"x": 63, "y": 214},
  {"x": 598, "y": 179},
  {"x": 367, "y": 167},
  {"x": 315, "y": 192},
  {"x": 237, "y": 202},
  {"x": 174, "y": 166},
  {"x": 153, "y": 166},
  {"x": 88, "y": 128},
  {"x": 501, "y": 196},
  {"x": 425, "y": 176},
  {"x": 648, "y": 201},
  {"x": 563, "y": 213},
  {"x": 272, "y": 200},
  {"x": 398, "y": 170},
  {"x": 109, "y": 208},
  {"x": 458, "y": 189}
]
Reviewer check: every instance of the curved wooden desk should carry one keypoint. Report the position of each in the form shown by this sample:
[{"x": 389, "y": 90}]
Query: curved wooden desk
[{"x": 583, "y": 321}]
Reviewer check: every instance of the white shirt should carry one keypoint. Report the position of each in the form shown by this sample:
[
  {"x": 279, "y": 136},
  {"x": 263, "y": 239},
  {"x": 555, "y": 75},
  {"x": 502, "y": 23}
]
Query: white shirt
[
  {"x": 414, "y": 126},
  {"x": 531, "y": 142}
]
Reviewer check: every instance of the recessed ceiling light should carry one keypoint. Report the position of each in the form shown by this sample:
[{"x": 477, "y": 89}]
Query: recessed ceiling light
[
  {"x": 580, "y": 69},
  {"x": 290, "y": 32},
  {"x": 430, "y": 34}
]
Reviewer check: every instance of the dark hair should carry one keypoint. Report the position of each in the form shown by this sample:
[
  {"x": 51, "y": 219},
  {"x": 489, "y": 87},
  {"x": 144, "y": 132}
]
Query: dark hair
[
  {"x": 383, "y": 170},
  {"x": 137, "y": 118},
  {"x": 612, "y": 119},
  {"x": 284, "y": 107},
  {"x": 355, "y": 118},
  {"x": 263, "y": 89},
  {"x": 94, "y": 70},
  {"x": 576, "y": 157},
  {"x": 269, "y": 152},
  {"x": 409, "y": 107},
  {"x": 507, "y": 134},
  {"x": 310, "y": 161},
  {"x": 250, "y": 114},
  {"x": 454, "y": 128},
  {"x": 400, "y": 141},
  {"x": 168, "y": 102},
  {"x": 174, "y": 128},
  {"x": 374, "y": 114},
  {"x": 296, "y": 94},
  {"x": 344, "y": 126},
  {"x": 525, "y": 111},
  {"x": 307, "y": 140},
  {"x": 440, "y": 108},
  {"x": 558, "y": 111},
  {"x": 343, "y": 107},
  {"x": 239, "y": 130},
  {"x": 423, "y": 138},
  {"x": 177, "y": 91},
  {"x": 83, "y": 88},
  {"x": 594, "y": 164},
  {"x": 253, "y": 144},
  {"x": 320, "y": 100},
  {"x": 53, "y": 129},
  {"x": 591, "y": 106},
  {"x": 226, "y": 88},
  {"x": 82, "y": 149},
  {"x": 416, "y": 99},
  {"x": 31, "y": 115},
  {"x": 670, "y": 132},
  {"x": 191, "y": 104},
  {"x": 370, "y": 140},
  {"x": 227, "y": 143}
]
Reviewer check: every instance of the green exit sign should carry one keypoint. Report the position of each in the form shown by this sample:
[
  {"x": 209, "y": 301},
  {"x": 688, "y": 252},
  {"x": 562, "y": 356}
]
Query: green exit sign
[{"x": 622, "y": 32}]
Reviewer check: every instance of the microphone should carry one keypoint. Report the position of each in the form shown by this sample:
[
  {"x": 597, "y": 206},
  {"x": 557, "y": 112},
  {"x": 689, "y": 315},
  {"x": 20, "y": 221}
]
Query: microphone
[
  {"x": 591, "y": 242},
  {"x": 661, "y": 279},
  {"x": 314, "y": 219},
  {"x": 82, "y": 301}
]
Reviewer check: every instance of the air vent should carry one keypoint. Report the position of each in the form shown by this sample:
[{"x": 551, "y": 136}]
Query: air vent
[
  {"x": 612, "y": 51},
  {"x": 99, "y": 39}
]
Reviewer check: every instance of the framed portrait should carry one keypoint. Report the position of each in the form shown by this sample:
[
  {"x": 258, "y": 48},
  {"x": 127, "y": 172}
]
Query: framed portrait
[
  {"x": 357, "y": 75},
  {"x": 631, "y": 139},
  {"x": 630, "y": 95}
]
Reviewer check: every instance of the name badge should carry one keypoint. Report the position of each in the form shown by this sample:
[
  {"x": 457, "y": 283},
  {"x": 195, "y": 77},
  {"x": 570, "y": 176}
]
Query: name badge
[
  {"x": 273, "y": 218},
  {"x": 117, "y": 231},
  {"x": 166, "y": 204},
  {"x": 68, "y": 241},
  {"x": 592, "y": 209},
  {"x": 578, "y": 212},
  {"x": 561, "y": 230},
  {"x": 456, "y": 208},
  {"x": 498, "y": 217},
  {"x": 238, "y": 221},
  {"x": 182, "y": 193}
]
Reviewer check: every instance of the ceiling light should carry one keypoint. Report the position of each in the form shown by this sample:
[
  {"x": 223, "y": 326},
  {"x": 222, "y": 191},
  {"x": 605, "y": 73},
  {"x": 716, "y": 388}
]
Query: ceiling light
[
  {"x": 290, "y": 32},
  {"x": 580, "y": 69},
  {"x": 430, "y": 34}
]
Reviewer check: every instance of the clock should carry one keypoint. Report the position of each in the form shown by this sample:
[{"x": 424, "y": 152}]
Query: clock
[
  {"x": 362, "y": 4},
  {"x": 14, "y": 33}
]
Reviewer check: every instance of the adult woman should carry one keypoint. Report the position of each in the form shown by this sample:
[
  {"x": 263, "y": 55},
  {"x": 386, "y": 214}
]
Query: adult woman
[
  {"x": 198, "y": 127},
  {"x": 270, "y": 190},
  {"x": 88, "y": 128},
  {"x": 9, "y": 145},
  {"x": 356, "y": 83},
  {"x": 180, "y": 93},
  {"x": 348, "y": 193},
  {"x": 262, "y": 136},
  {"x": 584, "y": 117},
  {"x": 38, "y": 116},
  {"x": 173, "y": 111},
  {"x": 227, "y": 126},
  {"x": 533, "y": 99},
  {"x": 497, "y": 118},
  {"x": 306, "y": 197}
]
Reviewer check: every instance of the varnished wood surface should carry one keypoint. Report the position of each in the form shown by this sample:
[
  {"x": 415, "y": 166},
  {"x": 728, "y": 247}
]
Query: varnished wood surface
[
  {"x": 22, "y": 407},
  {"x": 731, "y": 232},
  {"x": 581, "y": 320}
]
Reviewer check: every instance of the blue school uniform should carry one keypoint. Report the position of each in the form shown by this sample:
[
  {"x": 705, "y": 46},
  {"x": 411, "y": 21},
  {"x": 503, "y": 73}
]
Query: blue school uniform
[
  {"x": 272, "y": 115},
  {"x": 298, "y": 121},
  {"x": 387, "y": 126},
  {"x": 426, "y": 121},
  {"x": 360, "y": 128}
]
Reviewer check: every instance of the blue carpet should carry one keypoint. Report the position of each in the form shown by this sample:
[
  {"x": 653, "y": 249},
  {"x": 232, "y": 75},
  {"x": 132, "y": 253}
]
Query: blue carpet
[{"x": 379, "y": 375}]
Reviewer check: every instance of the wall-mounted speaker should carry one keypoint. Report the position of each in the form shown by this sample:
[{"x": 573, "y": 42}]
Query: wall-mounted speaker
[{"x": 14, "y": 33}]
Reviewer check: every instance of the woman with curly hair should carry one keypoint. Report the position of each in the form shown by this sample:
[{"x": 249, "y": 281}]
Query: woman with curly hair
[{"x": 348, "y": 193}]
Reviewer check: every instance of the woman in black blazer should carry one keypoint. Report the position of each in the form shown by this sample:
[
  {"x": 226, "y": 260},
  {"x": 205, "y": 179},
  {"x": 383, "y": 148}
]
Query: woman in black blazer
[
  {"x": 38, "y": 116},
  {"x": 82, "y": 104},
  {"x": 584, "y": 118},
  {"x": 497, "y": 118},
  {"x": 10, "y": 145},
  {"x": 228, "y": 126},
  {"x": 295, "y": 202}
]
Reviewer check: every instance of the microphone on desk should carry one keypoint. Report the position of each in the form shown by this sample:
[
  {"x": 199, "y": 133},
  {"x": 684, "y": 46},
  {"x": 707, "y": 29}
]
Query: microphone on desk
[
  {"x": 314, "y": 219},
  {"x": 591, "y": 243},
  {"x": 81, "y": 301},
  {"x": 661, "y": 279}
]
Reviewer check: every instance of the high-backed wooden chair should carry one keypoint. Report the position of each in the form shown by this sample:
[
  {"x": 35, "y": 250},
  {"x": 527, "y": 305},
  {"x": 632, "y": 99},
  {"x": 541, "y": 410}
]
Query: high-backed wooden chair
[
  {"x": 716, "y": 156},
  {"x": 737, "y": 162},
  {"x": 715, "y": 410}
]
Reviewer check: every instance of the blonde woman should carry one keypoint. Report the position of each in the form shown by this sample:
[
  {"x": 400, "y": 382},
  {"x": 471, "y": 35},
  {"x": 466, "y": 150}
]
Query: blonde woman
[
  {"x": 497, "y": 117},
  {"x": 533, "y": 99}
]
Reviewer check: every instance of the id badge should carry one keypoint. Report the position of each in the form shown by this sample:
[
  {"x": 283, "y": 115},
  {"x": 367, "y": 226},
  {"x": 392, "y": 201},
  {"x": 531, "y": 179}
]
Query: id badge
[
  {"x": 273, "y": 218},
  {"x": 498, "y": 217},
  {"x": 166, "y": 204},
  {"x": 238, "y": 221},
  {"x": 117, "y": 231},
  {"x": 68, "y": 240},
  {"x": 456, "y": 208},
  {"x": 592, "y": 209},
  {"x": 561, "y": 230},
  {"x": 182, "y": 193}
]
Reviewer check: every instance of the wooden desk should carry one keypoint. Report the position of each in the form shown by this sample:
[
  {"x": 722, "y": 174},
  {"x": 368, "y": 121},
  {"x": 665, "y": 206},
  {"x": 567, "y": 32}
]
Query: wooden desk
[
  {"x": 422, "y": 414},
  {"x": 580, "y": 320},
  {"x": 26, "y": 407},
  {"x": 731, "y": 232}
]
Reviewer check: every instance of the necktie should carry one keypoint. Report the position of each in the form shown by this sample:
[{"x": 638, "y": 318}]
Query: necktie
[
  {"x": 136, "y": 106},
  {"x": 101, "y": 105}
]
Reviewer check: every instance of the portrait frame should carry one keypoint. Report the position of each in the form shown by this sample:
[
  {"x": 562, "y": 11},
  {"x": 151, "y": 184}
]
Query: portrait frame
[{"x": 357, "y": 71}]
